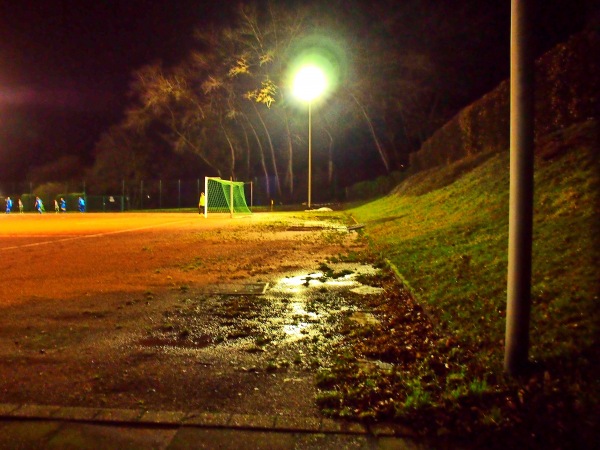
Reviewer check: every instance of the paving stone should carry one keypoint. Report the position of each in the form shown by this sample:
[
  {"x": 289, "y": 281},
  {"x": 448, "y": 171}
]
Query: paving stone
[
  {"x": 297, "y": 423},
  {"x": 210, "y": 438},
  {"x": 391, "y": 443},
  {"x": 332, "y": 426},
  {"x": 119, "y": 415},
  {"x": 76, "y": 413},
  {"x": 207, "y": 419},
  {"x": 251, "y": 421},
  {"x": 163, "y": 417},
  {"x": 7, "y": 408},
  {"x": 104, "y": 436},
  {"x": 323, "y": 441},
  {"x": 28, "y": 434},
  {"x": 35, "y": 411}
]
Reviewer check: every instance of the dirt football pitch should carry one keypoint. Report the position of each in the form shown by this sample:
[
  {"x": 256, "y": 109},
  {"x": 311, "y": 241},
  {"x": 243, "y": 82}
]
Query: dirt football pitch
[{"x": 86, "y": 298}]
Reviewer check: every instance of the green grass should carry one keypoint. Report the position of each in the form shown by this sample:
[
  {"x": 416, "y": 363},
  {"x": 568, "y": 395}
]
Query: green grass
[
  {"x": 451, "y": 243},
  {"x": 444, "y": 233}
]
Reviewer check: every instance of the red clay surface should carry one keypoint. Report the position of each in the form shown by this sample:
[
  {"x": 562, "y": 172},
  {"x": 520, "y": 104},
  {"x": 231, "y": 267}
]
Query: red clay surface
[
  {"x": 81, "y": 292},
  {"x": 65, "y": 256}
]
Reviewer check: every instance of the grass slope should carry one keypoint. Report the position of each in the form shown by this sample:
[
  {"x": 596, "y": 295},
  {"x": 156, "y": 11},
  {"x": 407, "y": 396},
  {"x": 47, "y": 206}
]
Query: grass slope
[{"x": 445, "y": 231}]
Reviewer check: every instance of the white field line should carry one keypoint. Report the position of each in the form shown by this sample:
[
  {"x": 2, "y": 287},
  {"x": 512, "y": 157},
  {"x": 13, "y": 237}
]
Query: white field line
[{"x": 87, "y": 236}]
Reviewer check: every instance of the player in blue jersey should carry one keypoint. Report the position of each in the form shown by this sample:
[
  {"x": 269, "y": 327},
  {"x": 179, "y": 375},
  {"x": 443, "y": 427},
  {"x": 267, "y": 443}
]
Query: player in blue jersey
[
  {"x": 39, "y": 205},
  {"x": 81, "y": 204},
  {"x": 8, "y": 205},
  {"x": 63, "y": 205}
]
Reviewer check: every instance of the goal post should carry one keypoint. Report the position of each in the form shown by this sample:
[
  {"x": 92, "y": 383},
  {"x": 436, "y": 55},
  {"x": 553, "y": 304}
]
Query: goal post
[{"x": 225, "y": 196}]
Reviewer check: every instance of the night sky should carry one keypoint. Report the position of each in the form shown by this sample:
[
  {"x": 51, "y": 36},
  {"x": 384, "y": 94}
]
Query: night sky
[{"x": 65, "y": 66}]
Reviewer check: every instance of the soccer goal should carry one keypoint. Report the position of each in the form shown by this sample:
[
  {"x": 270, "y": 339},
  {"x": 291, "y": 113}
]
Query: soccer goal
[{"x": 224, "y": 196}]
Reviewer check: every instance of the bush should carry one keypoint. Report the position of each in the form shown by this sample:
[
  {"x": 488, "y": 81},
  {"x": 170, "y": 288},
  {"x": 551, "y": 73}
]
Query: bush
[
  {"x": 374, "y": 188},
  {"x": 566, "y": 93}
]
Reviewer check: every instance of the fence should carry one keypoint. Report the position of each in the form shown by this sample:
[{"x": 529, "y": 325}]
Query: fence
[
  {"x": 129, "y": 195},
  {"x": 167, "y": 193}
]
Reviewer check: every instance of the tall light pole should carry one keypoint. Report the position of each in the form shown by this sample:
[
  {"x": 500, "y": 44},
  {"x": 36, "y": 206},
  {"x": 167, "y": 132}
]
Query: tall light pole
[
  {"x": 309, "y": 83},
  {"x": 520, "y": 226}
]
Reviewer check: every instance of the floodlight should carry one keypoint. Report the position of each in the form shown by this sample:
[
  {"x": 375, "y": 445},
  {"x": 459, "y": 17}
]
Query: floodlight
[{"x": 309, "y": 83}]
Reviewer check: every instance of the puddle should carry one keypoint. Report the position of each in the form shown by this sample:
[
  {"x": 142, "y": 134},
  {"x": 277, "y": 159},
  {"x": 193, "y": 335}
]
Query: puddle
[
  {"x": 299, "y": 310},
  {"x": 302, "y": 321},
  {"x": 317, "y": 298},
  {"x": 344, "y": 275}
]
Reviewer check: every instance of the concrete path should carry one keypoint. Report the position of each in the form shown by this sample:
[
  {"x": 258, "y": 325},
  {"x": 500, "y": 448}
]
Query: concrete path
[{"x": 56, "y": 427}]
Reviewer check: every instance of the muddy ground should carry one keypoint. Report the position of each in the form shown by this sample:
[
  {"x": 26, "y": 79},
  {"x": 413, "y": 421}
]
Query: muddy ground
[{"x": 174, "y": 312}]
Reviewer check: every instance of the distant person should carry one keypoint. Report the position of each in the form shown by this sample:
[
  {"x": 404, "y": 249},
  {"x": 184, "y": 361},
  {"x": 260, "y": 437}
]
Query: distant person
[
  {"x": 81, "y": 204},
  {"x": 8, "y": 205},
  {"x": 56, "y": 208},
  {"x": 20, "y": 206},
  {"x": 39, "y": 205},
  {"x": 201, "y": 204},
  {"x": 63, "y": 205}
]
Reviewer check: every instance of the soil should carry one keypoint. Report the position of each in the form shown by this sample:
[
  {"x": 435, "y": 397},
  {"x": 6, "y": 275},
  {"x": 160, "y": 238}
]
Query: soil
[{"x": 160, "y": 311}]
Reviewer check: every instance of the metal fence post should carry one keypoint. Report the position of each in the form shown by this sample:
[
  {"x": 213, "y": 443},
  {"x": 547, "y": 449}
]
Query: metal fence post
[{"x": 179, "y": 193}]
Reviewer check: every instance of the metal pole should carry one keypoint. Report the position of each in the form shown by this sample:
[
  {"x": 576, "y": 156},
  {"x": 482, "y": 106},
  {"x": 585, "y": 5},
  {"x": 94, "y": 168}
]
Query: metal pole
[
  {"x": 205, "y": 197},
  {"x": 309, "y": 152},
  {"x": 231, "y": 197},
  {"x": 521, "y": 189},
  {"x": 160, "y": 194}
]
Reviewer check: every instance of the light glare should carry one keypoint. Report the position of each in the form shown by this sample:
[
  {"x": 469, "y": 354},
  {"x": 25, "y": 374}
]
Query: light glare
[{"x": 309, "y": 83}]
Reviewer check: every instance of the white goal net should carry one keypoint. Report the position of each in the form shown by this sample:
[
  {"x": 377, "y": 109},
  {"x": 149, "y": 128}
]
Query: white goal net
[{"x": 224, "y": 196}]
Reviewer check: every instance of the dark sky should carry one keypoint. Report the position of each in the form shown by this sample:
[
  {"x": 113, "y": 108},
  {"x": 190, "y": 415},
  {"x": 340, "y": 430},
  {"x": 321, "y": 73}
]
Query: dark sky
[
  {"x": 89, "y": 45},
  {"x": 65, "y": 66}
]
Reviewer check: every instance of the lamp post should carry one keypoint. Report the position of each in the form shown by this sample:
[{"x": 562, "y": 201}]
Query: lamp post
[{"x": 309, "y": 84}]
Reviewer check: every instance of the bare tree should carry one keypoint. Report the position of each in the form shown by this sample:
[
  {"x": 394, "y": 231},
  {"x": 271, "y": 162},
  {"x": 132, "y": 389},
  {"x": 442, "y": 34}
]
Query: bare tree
[{"x": 228, "y": 99}]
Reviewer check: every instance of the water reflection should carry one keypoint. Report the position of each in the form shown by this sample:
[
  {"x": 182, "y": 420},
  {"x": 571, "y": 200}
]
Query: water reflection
[
  {"x": 300, "y": 307},
  {"x": 302, "y": 320},
  {"x": 302, "y": 289}
]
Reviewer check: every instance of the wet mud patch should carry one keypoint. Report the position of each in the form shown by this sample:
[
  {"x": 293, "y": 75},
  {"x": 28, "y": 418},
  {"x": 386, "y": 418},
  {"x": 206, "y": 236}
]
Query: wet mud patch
[
  {"x": 292, "y": 325},
  {"x": 236, "y": 289}
]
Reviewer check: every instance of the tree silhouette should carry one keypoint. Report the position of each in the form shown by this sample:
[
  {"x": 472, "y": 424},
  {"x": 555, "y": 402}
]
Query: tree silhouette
[{"x": 229, "y": 101}]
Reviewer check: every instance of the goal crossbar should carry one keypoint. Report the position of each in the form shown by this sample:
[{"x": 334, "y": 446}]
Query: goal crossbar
[{"x": 225, "y": 196}]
